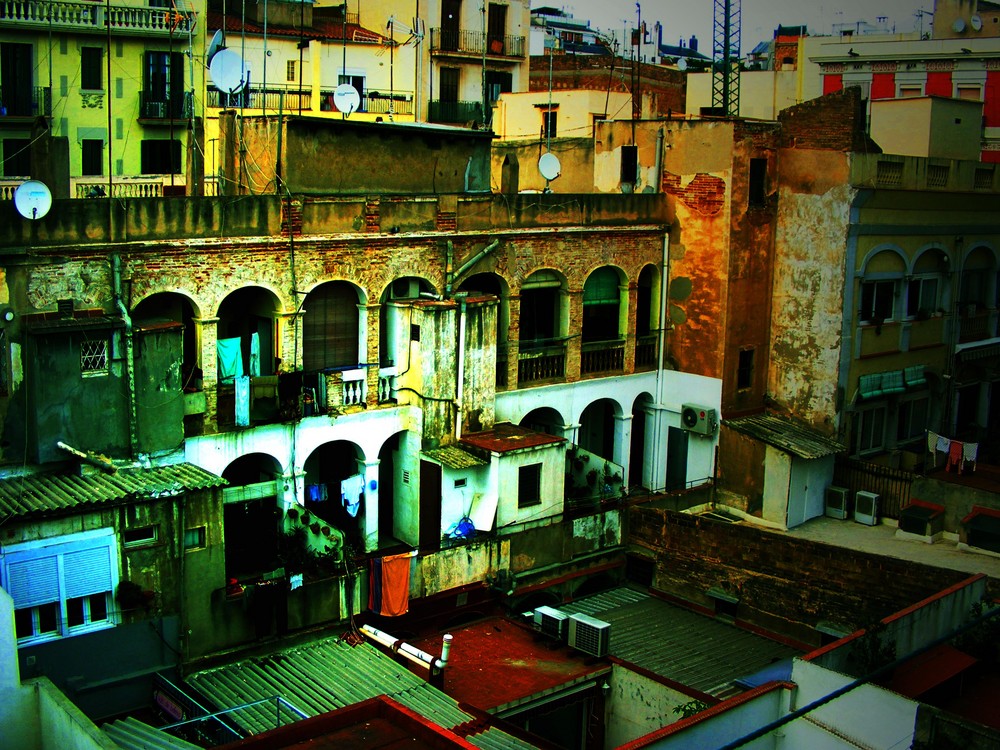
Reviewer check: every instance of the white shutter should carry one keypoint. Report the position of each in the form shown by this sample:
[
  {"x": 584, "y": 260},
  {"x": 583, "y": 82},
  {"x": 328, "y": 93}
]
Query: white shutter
[
  {"x": 33, "y": 581},
  {"x": 87, "y": 571}
]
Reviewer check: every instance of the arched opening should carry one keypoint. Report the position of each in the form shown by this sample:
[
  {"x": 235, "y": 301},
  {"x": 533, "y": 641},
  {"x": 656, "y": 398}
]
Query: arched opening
[
  {"x": 647, "y": 315},
  {"x": 637, "y": 473},
  {"x": 251, "y": 517},
  {"x": 335, "y": 487},
  {"x": 542, "y": 324},
  {"x": 394, "y": 333},
  {"x": 246, "y": 335},
  {"x": 175, "y": 308},
  {"x": 603, "y": 347},
  {"x": 546, "y": 420},
  {"x": 491, "y": 284},
  {"x": 509, "y": 174},
  {"x": 597, "y": 428},
  {"x": 331, "y": 327}
]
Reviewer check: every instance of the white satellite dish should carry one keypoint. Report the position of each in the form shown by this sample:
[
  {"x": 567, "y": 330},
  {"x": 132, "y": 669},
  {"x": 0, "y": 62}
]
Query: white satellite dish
[
  {"x": 549, "y": 166},
  {"x": 346, "y": 98},
  {"x": 976, "y": 23},
  {"x": 32, "y": 199},
  {"x": 217, "y": 44},
  {"x": 229, "y": 71},
  {"x": 682, "y": 64},
  {"x": 959, "y": 26}
]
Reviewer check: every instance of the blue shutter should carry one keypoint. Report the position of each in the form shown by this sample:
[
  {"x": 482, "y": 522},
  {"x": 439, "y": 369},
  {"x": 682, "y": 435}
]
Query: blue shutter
[
  {"x": 33, "y": 581},
  {"x": 87, "y": 571}
]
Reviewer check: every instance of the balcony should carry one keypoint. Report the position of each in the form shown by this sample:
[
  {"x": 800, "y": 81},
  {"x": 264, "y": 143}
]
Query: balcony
[
  {"x": 91, "y": 17},
  {"x": 29, "y": 102},
  {"x": 600, "y": 357},
  {"x": 646, "y": 352},
  {"x": 976, "y": 324},
  {"x": 157, "y": 107},
  {"x": 375, "y": 102},
  {"x": 465, "y": 42},
  {"x": 539, "y": 361},
  {"x": 453, "y": 112},
  {"x": 273, "y": 98}
]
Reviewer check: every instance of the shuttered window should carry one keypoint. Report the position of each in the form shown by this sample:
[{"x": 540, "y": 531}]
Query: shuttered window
[
  {"x": 62, "y": 586},
  {"x": 330, "y": 327}
]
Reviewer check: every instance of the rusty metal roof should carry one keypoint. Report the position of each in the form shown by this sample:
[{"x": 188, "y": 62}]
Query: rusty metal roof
[
  {"x": 789, "y": 436},
  {"x": 509, "y": 437},
  {"x": 454, "y": 457},
  {"x": 45, "y": 494},
  {"x": 691, "y": 649}
]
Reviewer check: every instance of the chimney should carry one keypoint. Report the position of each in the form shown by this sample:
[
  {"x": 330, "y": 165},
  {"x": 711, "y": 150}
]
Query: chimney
[{"x": 693, "y": 44}]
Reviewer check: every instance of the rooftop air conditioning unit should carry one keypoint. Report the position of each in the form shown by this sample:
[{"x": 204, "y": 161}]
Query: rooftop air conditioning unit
[
  {"x": 589, "y": 635},
  {"x": 836, "y": 502},
  {"x": 699, "y": 419},
  {"x": 551, "y": 622},
  {"x": 866, "y": 507}
]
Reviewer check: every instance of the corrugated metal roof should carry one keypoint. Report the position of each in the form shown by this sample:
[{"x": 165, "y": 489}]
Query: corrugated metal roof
[
  {"x": 54, "y": 493},
  {"x": 495, "y": 739},
  {"x": 320, "y": 677},
  {"x": 692, "y": 649},
  {"x": 132, "y": 734},
  {"x": 793, "y": 438},
  {"x": 454, "y": 457}
]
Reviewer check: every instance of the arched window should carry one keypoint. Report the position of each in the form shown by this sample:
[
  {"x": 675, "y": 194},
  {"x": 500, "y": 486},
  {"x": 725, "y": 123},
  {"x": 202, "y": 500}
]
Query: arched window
[
  {"x": 601, "y": 302},
  {"x": 330, "y": 327}
]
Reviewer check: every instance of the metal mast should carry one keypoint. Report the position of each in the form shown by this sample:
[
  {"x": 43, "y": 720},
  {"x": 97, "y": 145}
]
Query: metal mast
[{"x": 726, "y": 58}]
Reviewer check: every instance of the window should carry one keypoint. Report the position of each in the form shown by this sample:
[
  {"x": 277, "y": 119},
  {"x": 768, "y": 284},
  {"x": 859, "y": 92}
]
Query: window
[
  {"x": 141, "y": 536},
  {"x": 529, "y": 486},
  {"x": 461, "y": 482},
  {"x": 160, "y": 157},
  {"x": 869, "y": 430},
  {"x": 91, "y": 65},
  {"x": 414, "y": 332},
  {"x": 16, "y": 157},
  {"x": 630, "y": 164},
  {"x": 331, "y": 326},
  {"x": 758, "y": 182},
  {"x": 549, "y": 122},
  {"x": 498, "y": 83},
  {"x": 290, "y": 71},
  {"x": 912, "y": 419},
  {"x": 921, "y": 297},
  {"x": 877, "y": 301},
  {"x": 92, "y": 157},
  {"x": 62, "y": 586},
  {"x": 195, "y": 538},
  {"x": 909, "y": 92},
  {"x": 973, "y": 93},
  {"x": 94, "y": 357},
  {"x": 744, "y": 369},
  {"x": 601, "y": 305}
]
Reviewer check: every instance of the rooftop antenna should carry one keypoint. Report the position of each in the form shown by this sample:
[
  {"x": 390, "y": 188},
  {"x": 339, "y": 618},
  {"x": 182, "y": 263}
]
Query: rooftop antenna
[
  {"x": 32, "y": 199},
  {"x": 726, "y": 62}
]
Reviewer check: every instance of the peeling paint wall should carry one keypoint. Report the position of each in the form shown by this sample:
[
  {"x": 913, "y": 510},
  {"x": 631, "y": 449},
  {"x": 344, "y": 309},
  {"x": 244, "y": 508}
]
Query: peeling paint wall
[
  {"x": 638, "y": 705},
  {"x": 810, "y": 250},
  {"x": 459, "y": 566}
]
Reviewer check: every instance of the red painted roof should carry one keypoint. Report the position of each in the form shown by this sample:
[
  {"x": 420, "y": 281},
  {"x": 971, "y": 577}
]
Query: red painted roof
[
  {"x": 509, "y": 437},
  {"x": 497, "y": 661},
  {"x": 930, "y": 669},
  {"x": 324, "y": 29}
]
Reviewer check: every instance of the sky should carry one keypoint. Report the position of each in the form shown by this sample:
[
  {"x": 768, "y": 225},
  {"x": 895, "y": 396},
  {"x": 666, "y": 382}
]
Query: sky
[{"x": 682, "y": 18}]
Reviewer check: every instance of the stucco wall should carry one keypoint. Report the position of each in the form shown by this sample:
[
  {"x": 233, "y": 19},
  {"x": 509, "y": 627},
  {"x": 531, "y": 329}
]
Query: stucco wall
[{"x": 638, "y": 705}]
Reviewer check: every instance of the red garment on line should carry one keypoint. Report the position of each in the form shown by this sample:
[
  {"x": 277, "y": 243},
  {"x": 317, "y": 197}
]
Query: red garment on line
[{"x": 955, "y": 456}]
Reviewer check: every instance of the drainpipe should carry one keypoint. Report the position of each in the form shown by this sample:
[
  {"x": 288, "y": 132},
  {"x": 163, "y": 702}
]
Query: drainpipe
[
  {"x": 661, "y": 345},
  {"x": 408, "y": 652},
  {"x": 451, "y": 276},
  {"x": 459, "y": 389},
  {"x": 116, "y": 280},
  {"x": 659, "y": 160}
]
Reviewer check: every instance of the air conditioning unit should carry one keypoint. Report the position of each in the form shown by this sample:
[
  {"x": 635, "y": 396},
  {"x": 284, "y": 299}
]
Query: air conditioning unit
[
  {"x": 589, "y": 635},
  {"x": 866, "y": 507},
  {"x": 699, "y": 419},
  {"x": 836, "y": 502},
  {"x": 551, "y": 622}
]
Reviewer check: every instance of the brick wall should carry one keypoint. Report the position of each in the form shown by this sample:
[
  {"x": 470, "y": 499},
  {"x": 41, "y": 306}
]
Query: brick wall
[
  {"x": 833, "y": 122},
  {"x": 785, "y": 585}
]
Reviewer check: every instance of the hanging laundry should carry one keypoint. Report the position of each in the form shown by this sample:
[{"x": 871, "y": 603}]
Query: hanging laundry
[
  {"x": 352, "y": 490},
  {"x": 389, "y": 587},
  {"x": 316, "y": 493},
  {"x": 954, "y": 456},
  {"x": 943, "y": 443},
  {"x": 969, "y": 453},
  {"x": 230, "y": 359},
  {"x": 932, "y": 439},
  {"x": 254, "y": 354},
  {"x": 242, "y": 383}
]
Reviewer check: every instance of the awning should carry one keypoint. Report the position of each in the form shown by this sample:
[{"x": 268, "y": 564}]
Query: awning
[
  {"x": 914, "y": 376},
  {"x": 870, "y": 386}
]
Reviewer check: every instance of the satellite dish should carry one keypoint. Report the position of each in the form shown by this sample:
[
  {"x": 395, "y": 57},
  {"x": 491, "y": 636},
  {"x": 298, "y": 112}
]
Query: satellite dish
[
  {"x": 959, "y": 26},
  {"x": 976, "y": 23},
  {"x": 346, "y": 98},
  {"x": 32, "y": 199},
  {"x": 228, "y": 70},
  {"x": 217, "y": 44},
  {"x": 682, "y": 64},
  {"x": 549, "y": 166}
]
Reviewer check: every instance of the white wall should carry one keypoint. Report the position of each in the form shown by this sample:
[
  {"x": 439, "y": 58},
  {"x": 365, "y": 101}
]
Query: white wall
[
  {"x": 637, "y": 706},
  {"x": 737, "y": 722},
  {"x": 553, "y": 460},
  {"x": 777, "y": 478}
]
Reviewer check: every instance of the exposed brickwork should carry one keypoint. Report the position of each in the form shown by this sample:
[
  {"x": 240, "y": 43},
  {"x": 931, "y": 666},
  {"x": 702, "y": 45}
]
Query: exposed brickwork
[
  {"x": 446, "y": 221},
  {"x": 834, "y": 122},
  {"x": 373, "y": 222},
  {"x": 705, "y": 194},
  {"x": 291, "y": 218},
  {"x": 784, "y": 584}
]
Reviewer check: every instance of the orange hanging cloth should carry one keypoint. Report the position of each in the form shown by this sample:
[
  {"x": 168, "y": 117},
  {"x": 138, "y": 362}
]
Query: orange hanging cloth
[{"x": 395, "y": 585}]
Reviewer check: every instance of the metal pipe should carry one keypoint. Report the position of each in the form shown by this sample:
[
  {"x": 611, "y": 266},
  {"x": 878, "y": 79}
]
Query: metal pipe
[
  {"x": 450, "y": 277},
  {"x": 116, "y": 280},
  {"x": 445, "y": 649},
  {"x": 459, "y": 388}
]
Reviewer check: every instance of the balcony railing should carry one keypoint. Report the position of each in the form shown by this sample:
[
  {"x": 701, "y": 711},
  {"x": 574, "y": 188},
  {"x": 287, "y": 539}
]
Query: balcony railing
[
  {"x": 541, "y": 360},
  {"x": 386, "y": 385},
  {"x": 94, "y": 17},
  {"x": 287, "y": 99},
  {"x": 646, "y": 351},
  {"x": 31, "y": 101},
  {"x": 375, "y": 102},
  {"x": 472, "y": 43},
  {"x": 455, "y": 112},
  {"x": 976, "y": 324},
  {"x": 156, "y": 106},
  {"x": 602, "y": 356}
]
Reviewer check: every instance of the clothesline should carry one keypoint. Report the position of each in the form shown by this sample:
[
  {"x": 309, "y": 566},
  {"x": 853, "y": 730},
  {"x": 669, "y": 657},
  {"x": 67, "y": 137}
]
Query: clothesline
[{"x": 958, "y": 455}]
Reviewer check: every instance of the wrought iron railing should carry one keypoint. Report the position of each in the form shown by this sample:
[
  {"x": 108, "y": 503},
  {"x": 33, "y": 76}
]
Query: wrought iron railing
[
  {"x": 30, "y": 101},
  {"x": 975, "y": 324},
  {"x": 375, "y": 102},
  {"x": 602, "y": 356},
  {"x": 272, "y": 98},
  {"x": 158, "y": 106},
  {"x": 472, "y": 42},
  {"x": 440, "y": 111},
  {"x": 646, "y": 351}
]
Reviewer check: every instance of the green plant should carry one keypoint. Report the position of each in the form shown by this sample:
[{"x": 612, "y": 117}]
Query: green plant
[{"x": 689, "y": 709}]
